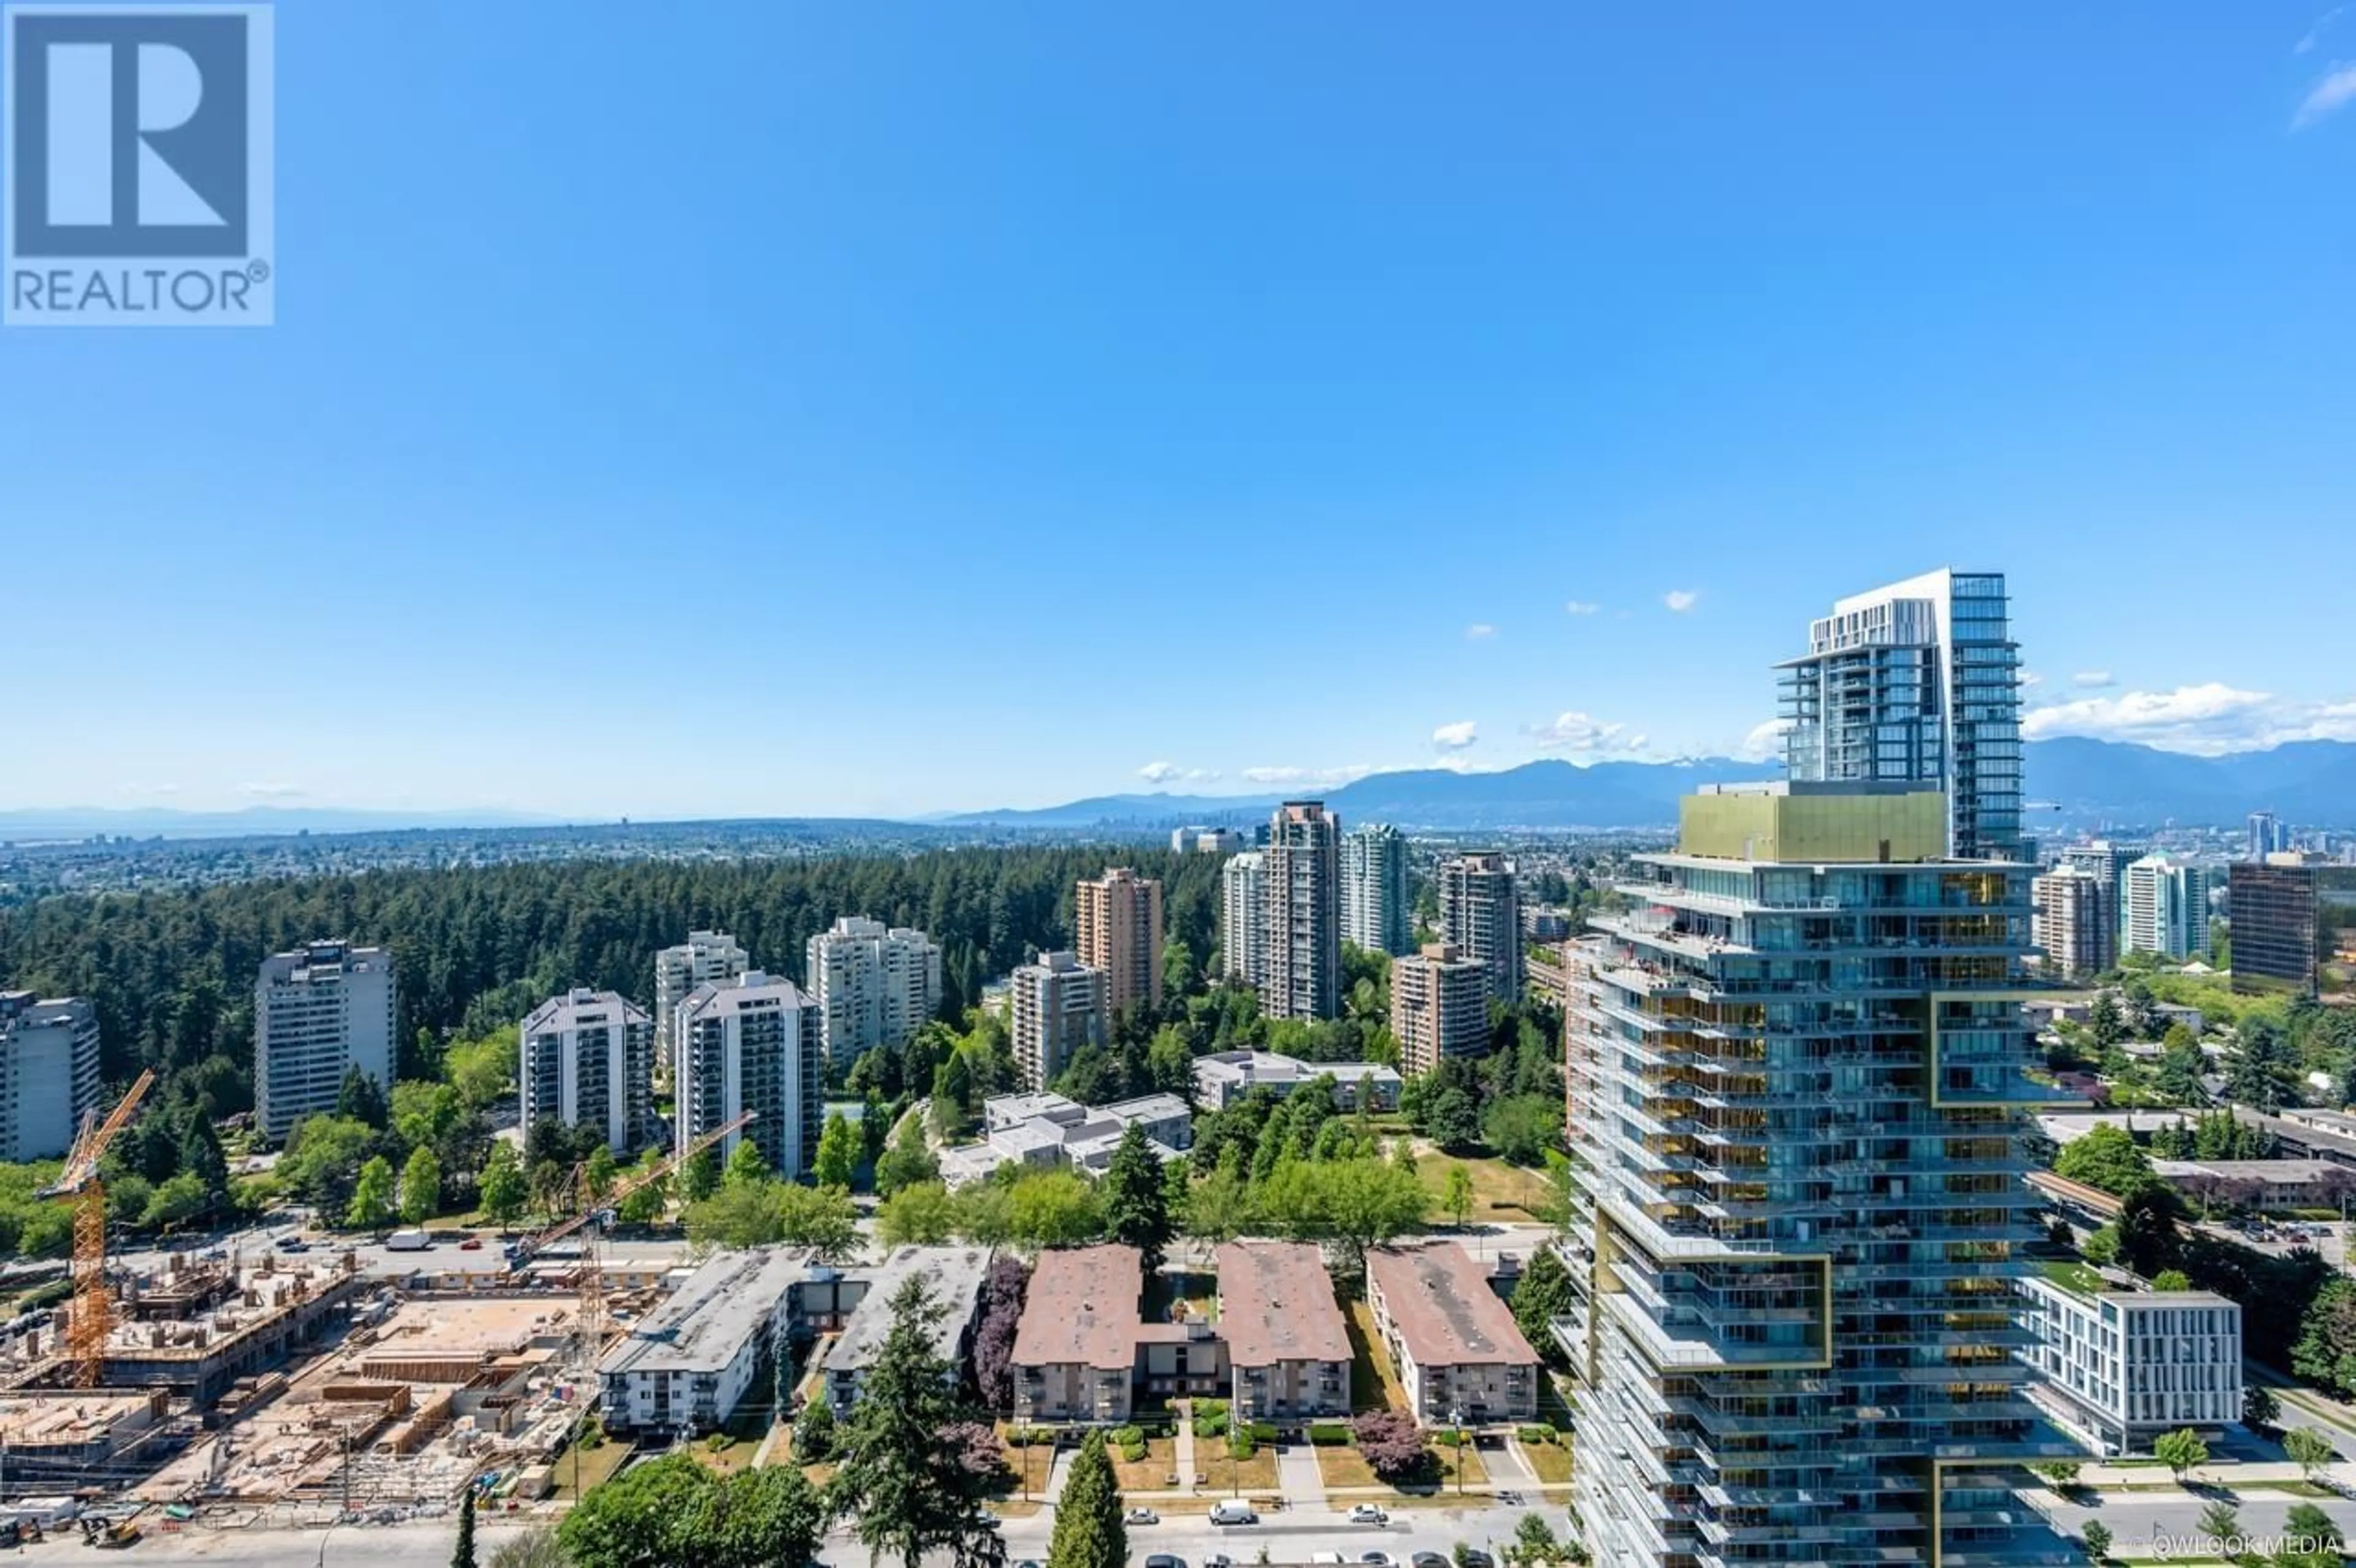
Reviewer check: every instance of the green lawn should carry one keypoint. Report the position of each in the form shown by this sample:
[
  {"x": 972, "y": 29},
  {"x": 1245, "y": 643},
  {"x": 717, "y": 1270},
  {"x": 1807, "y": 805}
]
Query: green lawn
[
  {"x": 1550, "y": 1460},
  {"x": 1501, "y": 1192},
  {"x": 2073, "y": 1276}
]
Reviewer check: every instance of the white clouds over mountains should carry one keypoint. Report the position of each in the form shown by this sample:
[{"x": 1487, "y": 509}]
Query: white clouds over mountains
[{"x": 2207, "y": 721}]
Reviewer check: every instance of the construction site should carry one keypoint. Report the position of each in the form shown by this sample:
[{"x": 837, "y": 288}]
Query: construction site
[{"x": 230, "y": 1386}]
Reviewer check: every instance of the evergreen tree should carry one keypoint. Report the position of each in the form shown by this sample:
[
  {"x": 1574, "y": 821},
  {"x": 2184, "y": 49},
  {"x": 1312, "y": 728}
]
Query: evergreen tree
[
  {"x": 1137, "y": 1199},
  {"x": 462, "y": 1556},
  {"x": 1542, "y": 1294},
  {"x": 1089, "y": 1532},
  {"x": 360, "y": 1098},
  {"x": 904, "y": 1477}
]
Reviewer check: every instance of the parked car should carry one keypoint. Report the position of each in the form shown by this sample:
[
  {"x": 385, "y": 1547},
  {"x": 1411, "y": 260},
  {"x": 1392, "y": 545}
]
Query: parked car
[
  {"x": 1428, "y": 1560},
  {"x": 471, "y": 1244},
  {"x": 1219, "y": 1560},
  {"x": 1375, "y": 1560},
  {"x": 1368, "y": 1513},
  {"x": 1475, "y": 1558},
  {"x": 1141, "y": 1516},
  {"x": 1163, "y": 1559},
  {"x": 1233, "y": 1512}
]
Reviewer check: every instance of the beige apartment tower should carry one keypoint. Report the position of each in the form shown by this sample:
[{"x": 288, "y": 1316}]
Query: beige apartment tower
[
  {"x": 1120, "y": 918},
  {"x": 1056, "y": 1007},
  {"x": 2076, "y": 922},
  {"x": 1439, "y": 1007}
]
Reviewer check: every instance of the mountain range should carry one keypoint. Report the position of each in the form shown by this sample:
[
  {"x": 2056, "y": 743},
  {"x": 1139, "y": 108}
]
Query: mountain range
[{"x": 2068, "y": 781}]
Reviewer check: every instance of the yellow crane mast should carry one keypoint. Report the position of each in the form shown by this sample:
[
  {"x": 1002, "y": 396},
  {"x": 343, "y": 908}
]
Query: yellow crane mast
[{"x": 93, "y": 1302}]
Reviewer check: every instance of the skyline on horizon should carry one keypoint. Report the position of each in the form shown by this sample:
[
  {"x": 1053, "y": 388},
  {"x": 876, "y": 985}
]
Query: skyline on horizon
[{"x": 1063, "y": 405}]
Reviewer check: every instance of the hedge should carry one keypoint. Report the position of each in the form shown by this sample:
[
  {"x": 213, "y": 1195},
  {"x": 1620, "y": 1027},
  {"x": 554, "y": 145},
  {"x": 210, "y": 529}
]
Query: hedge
[
  {"x": 1327, "y": 1436},
  {"x": 1535, "y": 1433},
  {"x": 1263, "y": 1431}
]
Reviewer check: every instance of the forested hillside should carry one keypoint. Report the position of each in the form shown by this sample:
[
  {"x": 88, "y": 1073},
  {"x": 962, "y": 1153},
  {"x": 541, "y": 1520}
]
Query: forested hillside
[{"x": 171, "y": 974}]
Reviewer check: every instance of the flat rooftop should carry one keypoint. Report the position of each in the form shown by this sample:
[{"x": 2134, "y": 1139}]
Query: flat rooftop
[
  {"x": 1082, "y": 1307},
  {"x": 707, "y": 1320},
  {"x": 1276, "y": 1304},
  {"x": 952, "y": 1276},
  {"x": 1440, "y": 1301}
]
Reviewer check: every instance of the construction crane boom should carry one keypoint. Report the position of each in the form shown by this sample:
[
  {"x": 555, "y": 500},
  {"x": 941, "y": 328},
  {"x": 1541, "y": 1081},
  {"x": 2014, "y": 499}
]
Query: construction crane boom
[
  {"x": 635, "y": 1181},
  {"x": 591, "y": 1274},
  {"x": 94, "y": 1304}
]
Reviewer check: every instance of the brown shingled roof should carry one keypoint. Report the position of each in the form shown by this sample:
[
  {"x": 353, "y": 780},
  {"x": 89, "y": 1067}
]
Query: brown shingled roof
[
  {"x": 1082, "y": 1307},
  {"x": 1440, "y": 1302},
  {"x": 1276, "y": 1304}
]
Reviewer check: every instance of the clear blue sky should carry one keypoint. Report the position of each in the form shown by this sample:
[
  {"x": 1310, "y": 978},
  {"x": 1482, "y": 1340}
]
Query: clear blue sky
[{"x": 682, "y": 409}]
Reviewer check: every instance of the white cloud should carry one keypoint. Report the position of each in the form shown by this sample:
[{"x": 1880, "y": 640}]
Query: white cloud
[
  {"x": 1764, "y": 743},
  {"x": 1170, "y": 772},
  {"x": 2314, "y": 34},
  {"x": 2029, "y": 678},
  {"x": 1455, "y": 737},
  {"x": 2336, "y": 89},
  {"x": 269, "y": 791},
  {"x": 2207, "y": 719},
  {"x": 1680, "y": 599},
  {"x": 1308, "y": 775},
  {"x": 1582, "y": 734},
  {"x": 1582, "y": 607},
  {"x": 2092, "y": 677},
  {"x": 1479, "y": 631}
]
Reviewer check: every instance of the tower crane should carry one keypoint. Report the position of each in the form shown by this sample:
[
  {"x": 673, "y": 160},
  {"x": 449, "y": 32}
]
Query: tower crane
[
  {"x": 585, "y": 1223},
  {"x": 94, "y": 1303}
]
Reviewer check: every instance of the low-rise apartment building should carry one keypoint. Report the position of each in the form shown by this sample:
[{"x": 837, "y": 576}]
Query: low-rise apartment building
[
  {"x": 1083, "y": 1353},
  {"x": 1456, "y": 1347},
  {"x": 2123, "y": 1366},
  {"x": 1047, "y": 1130},
  {"x": 953, "y": 1278},
  {"x": 687, "y": 1365},
  {"x": 1288, "y": 1347},
  {"x": 1226, "y": 1076},
  {"x": 1075, "y": 1349}
]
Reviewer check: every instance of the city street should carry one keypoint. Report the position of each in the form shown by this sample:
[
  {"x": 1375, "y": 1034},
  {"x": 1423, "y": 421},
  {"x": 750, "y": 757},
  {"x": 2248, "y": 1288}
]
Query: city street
[
  {"x": 2136, "y": 1520},
  {"x": 1288, "y": 1536},
  {"x": 1293, "y": 1534}
]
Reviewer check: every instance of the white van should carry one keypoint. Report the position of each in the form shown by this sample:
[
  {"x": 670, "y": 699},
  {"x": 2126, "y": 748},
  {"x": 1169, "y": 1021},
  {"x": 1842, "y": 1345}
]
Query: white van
[{"x": 1233, "y": 1512}]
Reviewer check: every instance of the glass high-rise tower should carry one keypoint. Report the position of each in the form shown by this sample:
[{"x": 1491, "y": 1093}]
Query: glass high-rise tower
[
  {"x": 1917, "y": 683},
  {"x": 1796, "y": 1075}
]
